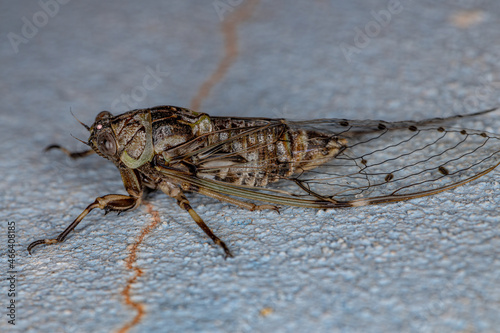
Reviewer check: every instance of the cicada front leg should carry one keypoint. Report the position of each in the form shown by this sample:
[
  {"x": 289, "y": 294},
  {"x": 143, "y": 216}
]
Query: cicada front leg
[
  {"x": 73, "y": 155},
  {"x": 110, "y": 202}
]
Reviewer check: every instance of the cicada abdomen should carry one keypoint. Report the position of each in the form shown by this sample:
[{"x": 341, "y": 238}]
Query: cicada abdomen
[{"x": 256, "y": 152}]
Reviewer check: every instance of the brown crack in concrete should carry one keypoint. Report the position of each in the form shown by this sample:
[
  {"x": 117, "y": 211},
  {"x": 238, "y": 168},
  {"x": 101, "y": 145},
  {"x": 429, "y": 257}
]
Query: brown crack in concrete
[
  {"x": 230, "y": 31},
  {"x": 131, "y": 260}
]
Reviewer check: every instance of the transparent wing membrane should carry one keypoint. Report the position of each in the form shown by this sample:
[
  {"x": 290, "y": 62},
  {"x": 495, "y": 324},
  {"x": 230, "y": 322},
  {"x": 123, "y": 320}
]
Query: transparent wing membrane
[{"x": 416, "y": 159}]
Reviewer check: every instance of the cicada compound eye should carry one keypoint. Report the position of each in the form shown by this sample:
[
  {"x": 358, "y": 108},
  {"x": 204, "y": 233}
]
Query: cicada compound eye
[
  {"x": 103, "y": 115},
  {"x": 106, "y": 143}
]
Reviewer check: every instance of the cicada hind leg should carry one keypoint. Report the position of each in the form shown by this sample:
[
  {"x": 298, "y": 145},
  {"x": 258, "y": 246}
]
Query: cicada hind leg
[{"x": 177, "y": 193}]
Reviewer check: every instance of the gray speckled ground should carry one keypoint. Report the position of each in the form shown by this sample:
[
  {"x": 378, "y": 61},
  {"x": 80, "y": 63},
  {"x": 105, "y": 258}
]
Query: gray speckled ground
[{"x": 430, "y": 264}]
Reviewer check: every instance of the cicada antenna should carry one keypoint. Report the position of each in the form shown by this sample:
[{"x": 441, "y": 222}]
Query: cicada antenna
[
  {"x": 86, "y": 143},
  {"x": 81, "y": 123}
]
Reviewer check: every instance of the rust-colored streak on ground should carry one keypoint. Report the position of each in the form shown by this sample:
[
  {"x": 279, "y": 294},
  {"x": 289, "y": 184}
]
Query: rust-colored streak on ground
[
  {"x": 139, "y": 307},
  {"x": 230, "y": 31}
]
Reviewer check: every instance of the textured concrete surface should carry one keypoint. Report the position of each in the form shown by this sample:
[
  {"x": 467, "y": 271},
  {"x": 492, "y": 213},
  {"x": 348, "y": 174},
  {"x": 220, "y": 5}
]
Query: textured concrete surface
[{"x": 429, "y": 264}]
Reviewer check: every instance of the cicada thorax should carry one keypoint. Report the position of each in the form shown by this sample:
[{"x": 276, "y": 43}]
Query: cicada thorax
[{"x": 142, "y": 134}]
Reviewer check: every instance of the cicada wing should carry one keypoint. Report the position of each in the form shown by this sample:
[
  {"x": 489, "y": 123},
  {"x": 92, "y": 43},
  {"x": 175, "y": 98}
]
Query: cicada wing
[{"x": 391, "y": 161}]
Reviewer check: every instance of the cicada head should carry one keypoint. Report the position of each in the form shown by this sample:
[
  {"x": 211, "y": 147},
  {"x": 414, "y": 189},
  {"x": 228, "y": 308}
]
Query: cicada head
[
  {"x": 102, "y": 137},
  {"x": 126, "y": 139}
]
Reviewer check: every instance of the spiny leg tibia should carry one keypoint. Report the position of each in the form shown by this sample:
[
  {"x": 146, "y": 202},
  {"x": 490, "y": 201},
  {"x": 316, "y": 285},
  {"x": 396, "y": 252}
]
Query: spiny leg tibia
[
  {"x": 73, "y": 155},
  {"x": 110, "y": 202},
  {"x": 184, "y": 204}
]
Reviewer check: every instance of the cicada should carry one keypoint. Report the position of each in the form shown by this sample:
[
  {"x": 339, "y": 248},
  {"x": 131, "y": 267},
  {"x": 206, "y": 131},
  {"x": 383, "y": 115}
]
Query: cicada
[{"x": 263, "y": 163}]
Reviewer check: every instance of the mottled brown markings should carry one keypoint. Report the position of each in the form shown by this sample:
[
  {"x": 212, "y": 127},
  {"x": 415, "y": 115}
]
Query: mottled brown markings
[
  {"x": 413, "y": 128},
  {"x": 259, "y": 149},
  {"x": 389, "y": 177}
]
